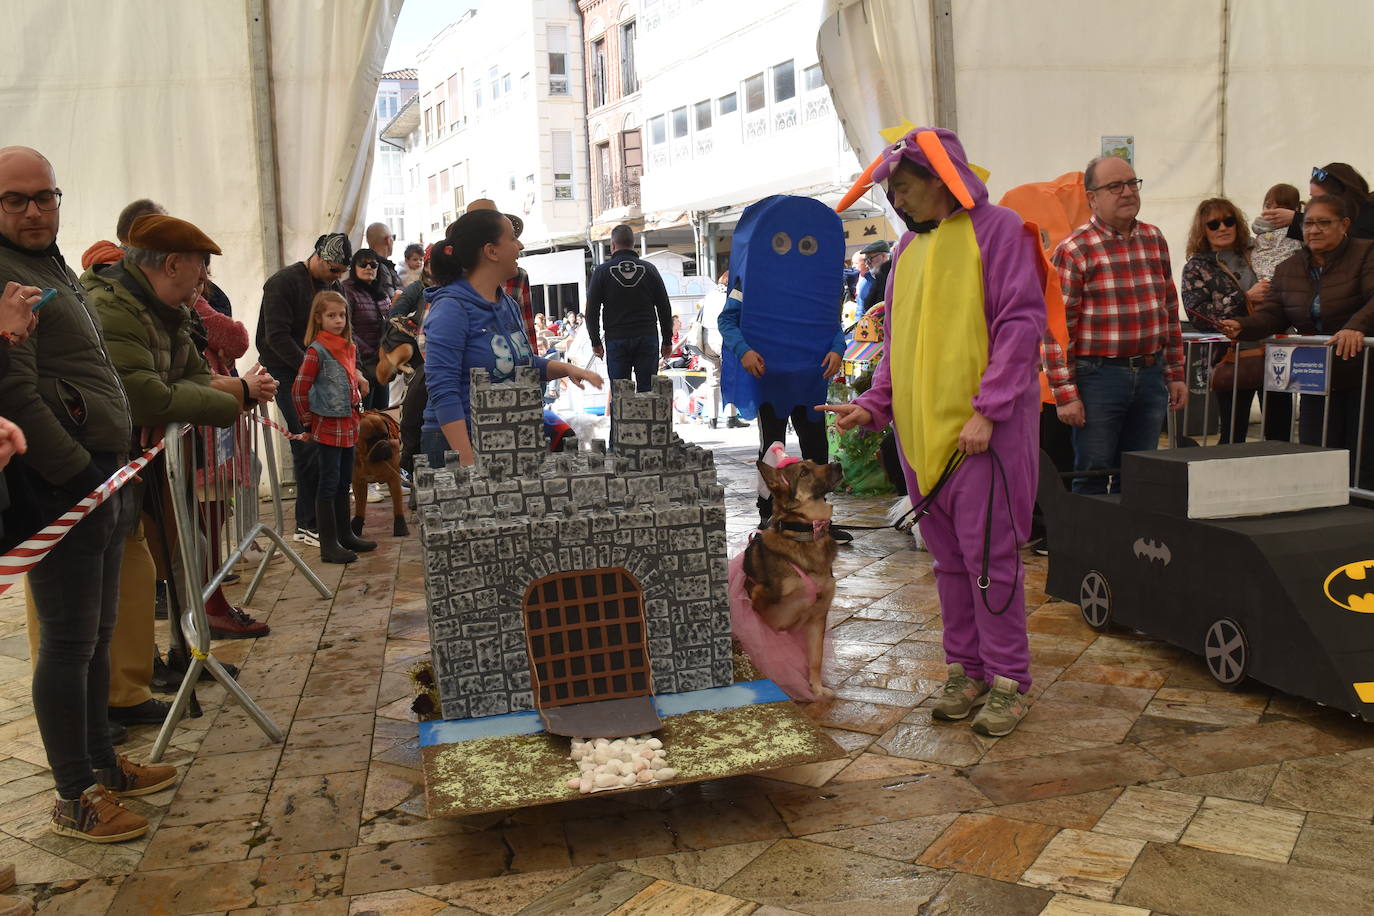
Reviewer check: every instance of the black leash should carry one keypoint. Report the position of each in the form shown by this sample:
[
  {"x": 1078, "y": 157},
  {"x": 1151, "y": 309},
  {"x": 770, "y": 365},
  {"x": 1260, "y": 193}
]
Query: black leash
[
  {"x": 918, "y": 510},
  {"x": 921, "y": 509}
]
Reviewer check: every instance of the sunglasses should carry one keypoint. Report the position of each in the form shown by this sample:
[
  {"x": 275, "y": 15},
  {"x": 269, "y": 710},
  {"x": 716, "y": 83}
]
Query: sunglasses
[
  {"x": 366, "y": 265},
  {"x": 1215, "y": 224}
]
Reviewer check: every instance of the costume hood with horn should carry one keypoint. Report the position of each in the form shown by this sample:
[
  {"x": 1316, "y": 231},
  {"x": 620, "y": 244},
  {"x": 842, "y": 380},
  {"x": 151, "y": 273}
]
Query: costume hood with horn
[{"x": 965, "y": 318}]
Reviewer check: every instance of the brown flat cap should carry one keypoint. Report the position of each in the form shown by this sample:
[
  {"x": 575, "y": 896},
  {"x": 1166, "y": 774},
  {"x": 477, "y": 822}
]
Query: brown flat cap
[{"x": 159, "y": 232}]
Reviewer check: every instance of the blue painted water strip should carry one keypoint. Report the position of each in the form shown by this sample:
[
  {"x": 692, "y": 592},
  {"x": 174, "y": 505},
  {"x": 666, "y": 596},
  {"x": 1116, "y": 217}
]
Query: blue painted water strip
[{"x": 746, "y": 693}]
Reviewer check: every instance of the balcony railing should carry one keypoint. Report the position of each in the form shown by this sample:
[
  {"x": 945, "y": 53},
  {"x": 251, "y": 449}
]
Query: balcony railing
[{"x": 622, "y": 191}]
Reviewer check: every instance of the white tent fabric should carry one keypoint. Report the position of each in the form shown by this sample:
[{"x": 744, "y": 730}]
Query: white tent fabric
[
  {"x": 1039, "y": 82},
  {"x": 144, "y": 98}
]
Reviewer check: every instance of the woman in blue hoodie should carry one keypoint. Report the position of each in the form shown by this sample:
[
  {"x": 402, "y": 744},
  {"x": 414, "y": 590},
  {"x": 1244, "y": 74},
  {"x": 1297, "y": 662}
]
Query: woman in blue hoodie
[{"x": 473, "y": 324}]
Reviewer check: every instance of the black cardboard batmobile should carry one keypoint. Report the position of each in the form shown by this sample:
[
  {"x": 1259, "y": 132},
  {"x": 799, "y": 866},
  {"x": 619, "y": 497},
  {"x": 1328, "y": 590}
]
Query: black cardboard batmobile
[{"x": 1285, "y": 597}]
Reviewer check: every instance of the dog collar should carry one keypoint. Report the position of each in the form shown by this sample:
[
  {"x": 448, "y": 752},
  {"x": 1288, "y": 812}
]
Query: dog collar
[{"x": 817, "y": 529}]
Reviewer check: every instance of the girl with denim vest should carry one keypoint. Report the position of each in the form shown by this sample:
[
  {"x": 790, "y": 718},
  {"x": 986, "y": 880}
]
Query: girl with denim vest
[{"x": 328, "y": 394}]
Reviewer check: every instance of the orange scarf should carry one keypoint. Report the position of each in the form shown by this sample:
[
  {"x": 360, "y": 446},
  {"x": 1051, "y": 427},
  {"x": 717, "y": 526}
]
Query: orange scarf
[{"x": 343, "y": 350}]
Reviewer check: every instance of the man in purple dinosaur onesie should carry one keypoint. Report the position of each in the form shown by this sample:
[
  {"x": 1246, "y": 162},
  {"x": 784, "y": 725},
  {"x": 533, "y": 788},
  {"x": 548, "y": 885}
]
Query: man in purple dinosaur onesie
[{"x": 958, "y": 382}]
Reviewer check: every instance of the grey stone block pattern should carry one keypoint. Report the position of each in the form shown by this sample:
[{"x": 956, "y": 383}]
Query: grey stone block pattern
[{"x": 650, "y": 504}]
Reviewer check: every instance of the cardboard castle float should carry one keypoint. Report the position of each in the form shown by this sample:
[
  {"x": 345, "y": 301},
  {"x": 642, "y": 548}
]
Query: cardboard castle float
[{"x": 587, "y": 586}]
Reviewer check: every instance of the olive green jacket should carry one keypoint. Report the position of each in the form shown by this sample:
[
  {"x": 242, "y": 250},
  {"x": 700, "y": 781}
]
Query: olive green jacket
[{"x": 165, "y": 376}]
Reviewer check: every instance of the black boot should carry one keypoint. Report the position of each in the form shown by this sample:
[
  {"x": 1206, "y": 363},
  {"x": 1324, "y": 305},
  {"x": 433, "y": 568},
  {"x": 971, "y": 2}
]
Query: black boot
[
  {"x": 347, "y": 539},
  {"x": 331, "y": 551}
]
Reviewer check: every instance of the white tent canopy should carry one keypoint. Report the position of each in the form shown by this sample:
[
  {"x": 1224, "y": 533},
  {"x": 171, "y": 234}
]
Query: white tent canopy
[
  {"x": 252, "y": 119},
  {"x": 1222, "y": 96}
]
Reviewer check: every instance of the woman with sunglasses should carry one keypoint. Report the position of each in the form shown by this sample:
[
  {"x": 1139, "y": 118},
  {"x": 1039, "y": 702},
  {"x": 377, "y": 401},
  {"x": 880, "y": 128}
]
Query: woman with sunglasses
[
  {"x": 1339, "y": 180},
  {"x": 1219, "y": 283},
  {"x": 367, "y": 310},
  {"x": 1327, "y": 287}
]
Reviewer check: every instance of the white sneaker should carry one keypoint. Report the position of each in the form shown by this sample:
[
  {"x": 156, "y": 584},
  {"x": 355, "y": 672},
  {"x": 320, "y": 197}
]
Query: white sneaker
[
  {"x": 374, "y": 493},
  {"x": 306, "y": 537}
]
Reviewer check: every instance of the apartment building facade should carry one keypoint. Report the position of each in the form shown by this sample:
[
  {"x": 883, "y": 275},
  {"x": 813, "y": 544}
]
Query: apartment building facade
[{"x": 386, "y": 196}]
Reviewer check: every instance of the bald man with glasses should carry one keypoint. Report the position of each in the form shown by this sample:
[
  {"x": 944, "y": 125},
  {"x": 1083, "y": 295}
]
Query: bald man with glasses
[{"x": 1124, "y": 367}]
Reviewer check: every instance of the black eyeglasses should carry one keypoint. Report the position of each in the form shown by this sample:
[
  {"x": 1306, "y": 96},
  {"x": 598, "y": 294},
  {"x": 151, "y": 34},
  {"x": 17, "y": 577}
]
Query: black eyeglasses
[
  {"x": 14, "y": 202},
  {"x": 336, "y": 268},
  {"x": 366, "y": 265},
  {"x": 1215, "y": 224},
  {"x": 1118, "y": 187}
]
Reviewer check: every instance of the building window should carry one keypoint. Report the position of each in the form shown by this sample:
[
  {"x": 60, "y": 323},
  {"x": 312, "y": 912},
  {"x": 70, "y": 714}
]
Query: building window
[
  {"x": 562, "y": 164},
  {"x": 679, "y": 123},
  {"x": 629, "y": 79},
  {"x": 440, "y": 125},
  {"x": 631, "y": 154},
  {"x": 434, "y": 190},
  {"x": 512, "y": 182},
  {"x": 657, "y": 133},
  {"x": 753, "y": 93},
  {"x": 812, "y": 78},
  {"x": 727, "y": 104},
  {"x": 784, "y": 81},
  {"x": 495, "y": 84},
  {"x": 460, "y": 202},
  {"x": 443, "y": 182},
  {"x": 477, "y": 93},
  {"x": 598, "y": 73},
  {"x": 557, "y": 37},
  {"x": 429, "y": 123},
  {"x": 505, "y": 84},
  {"x": 702, "y": 111},
  {"x": 454, "y": 95},
  {"x": 395, "y": 218}
]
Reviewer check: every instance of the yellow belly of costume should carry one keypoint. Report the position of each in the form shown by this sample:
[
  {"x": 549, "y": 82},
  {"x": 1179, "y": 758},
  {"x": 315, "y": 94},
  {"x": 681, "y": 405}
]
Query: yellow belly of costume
[{"x": 939, "y": 347}]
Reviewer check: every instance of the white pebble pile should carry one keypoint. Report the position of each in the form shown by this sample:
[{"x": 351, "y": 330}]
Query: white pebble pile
[{"x": 619, "y": 763}]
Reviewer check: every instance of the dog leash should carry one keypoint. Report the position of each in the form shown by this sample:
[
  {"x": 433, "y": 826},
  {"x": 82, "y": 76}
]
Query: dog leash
[{"x": 921, "y": 509}]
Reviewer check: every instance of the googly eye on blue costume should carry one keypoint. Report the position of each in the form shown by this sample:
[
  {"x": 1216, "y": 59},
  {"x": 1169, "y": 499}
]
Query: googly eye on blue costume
[{"x": 787, "y": 263}]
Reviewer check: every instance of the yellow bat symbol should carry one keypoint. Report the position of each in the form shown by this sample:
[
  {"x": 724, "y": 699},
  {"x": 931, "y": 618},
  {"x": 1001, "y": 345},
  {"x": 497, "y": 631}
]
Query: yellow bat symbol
[
  {"x": 1151, "y": 549},
  {"x": 1350, "y": 587}
]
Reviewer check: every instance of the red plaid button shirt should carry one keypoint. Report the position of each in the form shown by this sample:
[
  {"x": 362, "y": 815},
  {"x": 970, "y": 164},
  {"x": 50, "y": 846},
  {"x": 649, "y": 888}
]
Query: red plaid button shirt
[
  {"x": 340, "y": 432},
  {"x": 1119, "y": 300},
  {"x": 518, "y": 288}
]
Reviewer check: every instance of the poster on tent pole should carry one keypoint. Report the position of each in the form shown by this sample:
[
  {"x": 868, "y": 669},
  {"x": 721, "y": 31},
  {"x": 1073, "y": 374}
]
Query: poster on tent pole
[{"x": 1122, "y": 147}]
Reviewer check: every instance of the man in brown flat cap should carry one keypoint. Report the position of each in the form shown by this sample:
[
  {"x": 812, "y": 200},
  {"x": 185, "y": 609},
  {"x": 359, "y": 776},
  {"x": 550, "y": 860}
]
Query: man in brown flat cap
[{"x": 144, "y": 302}]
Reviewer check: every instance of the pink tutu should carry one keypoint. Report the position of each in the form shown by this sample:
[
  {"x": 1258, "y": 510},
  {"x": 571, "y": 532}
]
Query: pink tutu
[{"x": 779, "y": 656}]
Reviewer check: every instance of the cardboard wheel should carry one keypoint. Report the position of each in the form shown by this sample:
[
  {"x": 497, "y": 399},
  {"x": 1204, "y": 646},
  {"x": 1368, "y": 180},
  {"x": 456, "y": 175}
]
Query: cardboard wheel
[
  {"x": 1095, "y": 600},
  {"x": 1227, "y": 652}
]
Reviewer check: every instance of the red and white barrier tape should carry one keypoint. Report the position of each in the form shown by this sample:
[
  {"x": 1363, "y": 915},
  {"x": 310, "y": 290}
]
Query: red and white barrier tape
[
  {"x": 273, "y": 424},
  {"x": 30, "y": 553}
]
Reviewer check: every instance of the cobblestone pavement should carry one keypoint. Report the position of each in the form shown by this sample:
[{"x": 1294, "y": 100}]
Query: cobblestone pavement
[{"x": 1132, "y": 786}]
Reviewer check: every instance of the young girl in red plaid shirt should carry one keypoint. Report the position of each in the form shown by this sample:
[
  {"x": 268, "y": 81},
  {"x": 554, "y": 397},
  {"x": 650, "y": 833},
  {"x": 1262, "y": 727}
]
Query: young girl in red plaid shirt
[{"x": 328, "y": 395}]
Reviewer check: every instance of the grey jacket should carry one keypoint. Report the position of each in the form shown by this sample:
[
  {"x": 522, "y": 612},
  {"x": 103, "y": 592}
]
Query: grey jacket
[{"x": 62, "y": 390}]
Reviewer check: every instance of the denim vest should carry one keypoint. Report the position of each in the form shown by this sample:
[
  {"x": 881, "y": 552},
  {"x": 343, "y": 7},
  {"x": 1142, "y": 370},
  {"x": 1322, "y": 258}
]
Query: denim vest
[{"x": 330, "y": 395}]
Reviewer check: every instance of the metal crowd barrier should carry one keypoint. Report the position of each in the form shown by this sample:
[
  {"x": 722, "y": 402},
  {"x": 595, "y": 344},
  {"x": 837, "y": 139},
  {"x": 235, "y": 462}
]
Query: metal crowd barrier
[
  {"x": 1211, "y": 348},
  {"x": 212, "y": 482}
]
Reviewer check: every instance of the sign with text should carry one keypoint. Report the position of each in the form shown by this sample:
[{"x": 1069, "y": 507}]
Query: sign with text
[{"x": 1303, "y": 368}]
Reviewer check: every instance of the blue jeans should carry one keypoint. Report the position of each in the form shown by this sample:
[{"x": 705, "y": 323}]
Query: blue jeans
[
  {"x": 336, "y": 470},
  {"x": 638, "y": 353},
  {"x": 304, "y": 458},
  {"x": 1124, "y": 408}
]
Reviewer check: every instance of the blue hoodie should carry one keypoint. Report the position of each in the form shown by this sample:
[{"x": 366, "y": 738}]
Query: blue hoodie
[{"x": 463, "y": 331}]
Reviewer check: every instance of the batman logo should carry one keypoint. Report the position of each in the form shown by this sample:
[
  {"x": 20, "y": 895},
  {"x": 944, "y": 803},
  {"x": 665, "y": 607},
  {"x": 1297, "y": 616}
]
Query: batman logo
[
  {"x": 1150, "y": 549},
  {"x": 1351, "y": 587}
]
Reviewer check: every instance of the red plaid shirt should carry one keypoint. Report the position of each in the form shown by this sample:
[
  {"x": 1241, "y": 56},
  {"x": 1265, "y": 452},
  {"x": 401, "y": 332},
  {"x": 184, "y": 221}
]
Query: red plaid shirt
[
  {"x": 1119, "y": 300},
  {"x": 518, "y": 288},
  {"x": 340, "y": 432}
]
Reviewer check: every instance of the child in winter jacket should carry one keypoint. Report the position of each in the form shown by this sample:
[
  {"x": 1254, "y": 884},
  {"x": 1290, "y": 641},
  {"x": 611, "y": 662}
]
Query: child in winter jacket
[{"x": 328, "y": 396}]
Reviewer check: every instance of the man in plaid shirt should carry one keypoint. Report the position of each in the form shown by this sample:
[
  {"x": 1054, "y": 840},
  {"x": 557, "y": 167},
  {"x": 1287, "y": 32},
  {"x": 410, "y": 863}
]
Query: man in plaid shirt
[{"x": 1124, "y": 368}]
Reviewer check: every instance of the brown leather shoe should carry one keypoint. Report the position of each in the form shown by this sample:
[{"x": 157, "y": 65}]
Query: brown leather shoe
[
  {"x": 129, "y": 779},
  {"x": 96, "y": 817},
  {"x": 238, "y": 624}
]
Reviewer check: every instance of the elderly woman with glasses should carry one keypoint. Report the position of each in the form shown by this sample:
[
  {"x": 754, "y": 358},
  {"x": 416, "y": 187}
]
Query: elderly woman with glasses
[
  {"x": 367, "y": 310},
  {"x": 1219, "y": 283},
  {"x": 1327, "y": 287}
]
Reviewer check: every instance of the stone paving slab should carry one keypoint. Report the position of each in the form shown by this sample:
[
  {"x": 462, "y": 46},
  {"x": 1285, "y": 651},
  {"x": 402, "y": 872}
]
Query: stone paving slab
[{"x": 1135, "y": 785}]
